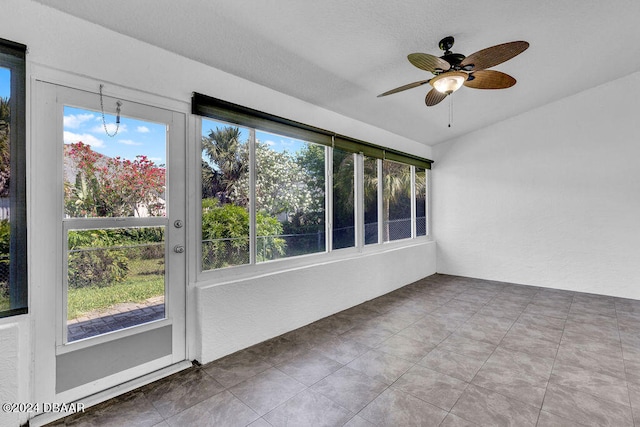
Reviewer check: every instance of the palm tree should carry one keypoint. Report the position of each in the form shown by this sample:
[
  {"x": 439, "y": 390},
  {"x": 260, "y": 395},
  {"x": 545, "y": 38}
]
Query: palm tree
[
  {"x": 343, "y": 199},
  {"x": 396, "y": 190},
  {"x": 230, "y": 158},
  {"x": 396, "y": 181}
]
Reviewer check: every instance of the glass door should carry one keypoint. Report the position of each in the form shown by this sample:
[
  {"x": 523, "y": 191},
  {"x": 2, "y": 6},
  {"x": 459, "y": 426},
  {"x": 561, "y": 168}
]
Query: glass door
[{"x": 121, "y": 293}]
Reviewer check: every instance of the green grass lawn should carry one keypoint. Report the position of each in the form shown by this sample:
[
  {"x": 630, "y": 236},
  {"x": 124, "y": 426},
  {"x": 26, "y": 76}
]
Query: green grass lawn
[
  {"x": 147, "y": 282},
  {"x": 4, "y": 303}
]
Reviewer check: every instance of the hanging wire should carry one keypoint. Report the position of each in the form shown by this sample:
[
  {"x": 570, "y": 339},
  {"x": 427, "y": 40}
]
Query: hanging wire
[
  {"x": 104, "y": 122},
  {"x": 450, "y": 110}
]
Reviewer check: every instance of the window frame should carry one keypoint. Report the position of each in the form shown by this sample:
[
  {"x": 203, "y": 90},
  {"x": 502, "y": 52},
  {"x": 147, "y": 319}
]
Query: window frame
[
  {"x": 13, "y": 57},
  {"x": 204, "y": 107}
]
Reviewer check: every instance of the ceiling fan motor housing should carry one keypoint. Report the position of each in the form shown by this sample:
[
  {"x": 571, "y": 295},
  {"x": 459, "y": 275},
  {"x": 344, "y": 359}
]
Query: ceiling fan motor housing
[{"x": 454, "y": 59}]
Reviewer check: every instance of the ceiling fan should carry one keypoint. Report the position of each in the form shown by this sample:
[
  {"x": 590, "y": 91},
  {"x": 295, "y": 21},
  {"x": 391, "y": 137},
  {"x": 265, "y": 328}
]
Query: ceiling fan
[{"x": 452, "y": 70}]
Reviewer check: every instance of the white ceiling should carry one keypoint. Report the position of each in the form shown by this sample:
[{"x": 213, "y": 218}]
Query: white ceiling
[{"x": 341, "y": 54}]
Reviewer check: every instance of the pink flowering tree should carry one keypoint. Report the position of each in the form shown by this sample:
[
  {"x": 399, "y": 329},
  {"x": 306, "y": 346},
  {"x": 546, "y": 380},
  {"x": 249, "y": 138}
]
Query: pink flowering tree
[{"x": 112, "y": 187}]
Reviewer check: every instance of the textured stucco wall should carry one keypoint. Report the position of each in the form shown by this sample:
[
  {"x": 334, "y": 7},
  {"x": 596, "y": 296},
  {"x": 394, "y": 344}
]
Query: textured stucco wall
[
  {"x": 14, "y": 367},
  {"x": 548, "y": 198},
  {"x": 8, "y": 371}
]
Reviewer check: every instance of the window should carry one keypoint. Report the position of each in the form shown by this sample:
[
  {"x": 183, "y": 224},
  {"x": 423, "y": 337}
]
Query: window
[
  {"x": 421, "y": 201},
  {"x": 225, "y": 195},
  {"x": 13, "y": 204},
  {"x": 370, "y": 200},
  {"x": 290, "y": 197},
  {"x": 396, "y": 200},
  {"x": 273, "y": 188},
  {"x": 343, "y": 199}
]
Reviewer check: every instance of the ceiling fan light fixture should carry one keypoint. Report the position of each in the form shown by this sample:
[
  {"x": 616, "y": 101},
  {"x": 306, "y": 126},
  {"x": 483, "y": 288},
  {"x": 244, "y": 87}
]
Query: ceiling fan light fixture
[{"x": 448, "y": 82}]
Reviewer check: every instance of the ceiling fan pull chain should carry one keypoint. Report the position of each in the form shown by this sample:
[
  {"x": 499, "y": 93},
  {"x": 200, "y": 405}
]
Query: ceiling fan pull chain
[
  {"x": 450, "y": 109},
  {"x": 104, "y": 122}
]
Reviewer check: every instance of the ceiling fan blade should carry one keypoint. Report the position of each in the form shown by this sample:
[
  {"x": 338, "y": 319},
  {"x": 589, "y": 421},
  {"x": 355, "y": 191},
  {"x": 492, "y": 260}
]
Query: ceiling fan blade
[
  {"x": 490, "y": 79},
  {"x": 427, "y": 62},
  {"x": 405, "y": 87},
  {"x": 494, "y": 55},
  {"x": 434, "y": 97}
]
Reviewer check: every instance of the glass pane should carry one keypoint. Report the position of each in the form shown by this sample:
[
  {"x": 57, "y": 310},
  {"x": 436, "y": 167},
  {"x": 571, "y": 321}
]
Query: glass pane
[
  {"x": 421, "y": 202},
  {"x": 343, "y": 197},
  {"x": 121, "y": 176},
  {"x": 5, "y": 196},
  {"x": 396, "y": 200},
  {"x": 370, "y": 200},
  {"x": 225, "y": 195},
  {"x": 115, "y": 279},
  {"x": 290, "y": 197}
]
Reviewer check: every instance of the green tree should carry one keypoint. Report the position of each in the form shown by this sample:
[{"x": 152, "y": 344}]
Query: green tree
[
  {"x": 230, "y": 159},
  {"x": 225, "y": 235},
  {"x": 311, "y": 160},
  {"x": 343, "y": 200},
  {"x": 289, "y": 193},
  {"x": 396, "y": 193}
]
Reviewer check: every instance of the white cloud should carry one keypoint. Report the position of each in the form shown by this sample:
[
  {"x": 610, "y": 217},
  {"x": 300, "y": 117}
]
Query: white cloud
[
  {"x": 73, "y": 121},
  {"x": 143, "y": 129},
  {"x": 86, "y": 138},
  {"x": 129, "y": 142},
  {"x": 155, "y": 159},
  {"x": 269, "y": 143},
  {"x": 111, "y": 128}
]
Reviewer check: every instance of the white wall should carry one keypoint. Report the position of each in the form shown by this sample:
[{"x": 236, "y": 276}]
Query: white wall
[
  {"x": 66, "y": 50},
  {"x": 548, "y": 198},
  {"x": 14, "y": 369},
  {"x": 237, "y": 314}
]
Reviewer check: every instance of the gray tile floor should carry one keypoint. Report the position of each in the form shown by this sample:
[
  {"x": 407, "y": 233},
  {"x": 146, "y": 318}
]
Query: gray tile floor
[{"x": 445, "y": 350}]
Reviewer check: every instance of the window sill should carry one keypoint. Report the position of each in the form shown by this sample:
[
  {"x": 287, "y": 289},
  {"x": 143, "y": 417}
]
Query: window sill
[{"x": 229, "y": 275}]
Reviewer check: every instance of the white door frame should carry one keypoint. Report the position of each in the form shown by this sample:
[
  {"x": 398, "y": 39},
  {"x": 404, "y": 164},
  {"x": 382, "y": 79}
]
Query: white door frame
[{"x": 46, "y": 235}]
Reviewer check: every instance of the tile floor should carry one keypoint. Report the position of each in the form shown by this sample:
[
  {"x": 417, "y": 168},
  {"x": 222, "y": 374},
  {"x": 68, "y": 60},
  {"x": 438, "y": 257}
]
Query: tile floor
[{"x": 445, "y": 350}]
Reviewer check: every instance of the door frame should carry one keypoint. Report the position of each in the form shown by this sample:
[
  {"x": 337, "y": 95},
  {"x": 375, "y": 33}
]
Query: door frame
[{"x": 46, "y": 235}]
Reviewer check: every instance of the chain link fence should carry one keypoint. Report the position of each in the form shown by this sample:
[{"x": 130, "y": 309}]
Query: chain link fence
[{"x": 218, "y": 253}]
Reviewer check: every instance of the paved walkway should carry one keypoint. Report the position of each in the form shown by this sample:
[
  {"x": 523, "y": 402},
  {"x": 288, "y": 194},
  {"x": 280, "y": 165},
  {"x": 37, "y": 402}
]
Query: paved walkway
[{"x": 118, "y": 317}]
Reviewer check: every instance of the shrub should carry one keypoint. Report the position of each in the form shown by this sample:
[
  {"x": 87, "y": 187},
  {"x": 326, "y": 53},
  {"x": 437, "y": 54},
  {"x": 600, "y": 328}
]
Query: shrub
[
  {"x": 92, "y": 261},
  {"x": 225, "y": 228},
  {"x": 97, "y": 267}
]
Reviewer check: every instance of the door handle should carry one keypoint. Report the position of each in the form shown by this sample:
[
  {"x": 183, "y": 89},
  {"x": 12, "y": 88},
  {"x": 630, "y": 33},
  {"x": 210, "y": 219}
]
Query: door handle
[{"x": 178, "y": 249}]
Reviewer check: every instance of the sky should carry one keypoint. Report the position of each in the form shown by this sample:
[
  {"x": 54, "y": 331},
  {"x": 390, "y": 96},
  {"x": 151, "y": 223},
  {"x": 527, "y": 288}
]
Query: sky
[
  {"x": 5, "y": 82},
  {"x": 275, "y": 142},
  {"x": 134, "y": 137},
  {"x": 137, "y": 137}
]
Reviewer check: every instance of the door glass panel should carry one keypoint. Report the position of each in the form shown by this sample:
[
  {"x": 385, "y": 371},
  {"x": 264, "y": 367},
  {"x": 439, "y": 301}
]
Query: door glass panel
[
  {"x": 115, "y": 274},
  {"x": 115, "y": 279},
  {"x": 120, "y": 176}
]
